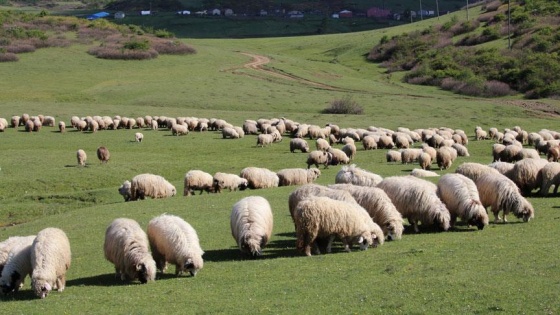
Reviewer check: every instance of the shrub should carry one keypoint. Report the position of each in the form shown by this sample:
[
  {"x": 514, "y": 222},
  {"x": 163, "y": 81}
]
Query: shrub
[
  {"x": 497, "y": 89},
  {"x": 163, "y": 34},
  {"x": 172, "y": 47},
  {"x": 344, "y": 106},
  {"x": 137, "y": 44},
  {"x": 8, "y": 57}
]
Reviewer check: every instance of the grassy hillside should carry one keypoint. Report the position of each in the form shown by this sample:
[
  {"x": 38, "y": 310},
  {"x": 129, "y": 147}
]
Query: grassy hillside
[{"x": 507, "y": 268}]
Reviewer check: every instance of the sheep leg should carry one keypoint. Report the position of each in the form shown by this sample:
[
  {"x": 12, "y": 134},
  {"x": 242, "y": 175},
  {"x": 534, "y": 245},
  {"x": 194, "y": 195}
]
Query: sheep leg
[
  {"x": 453, "y": 221},
  {"x": 496, "y": 216},
  {"x": 329, "y": 245},
  {"x": 60, "y": 283},
  {"x": 414, "y": 224}
]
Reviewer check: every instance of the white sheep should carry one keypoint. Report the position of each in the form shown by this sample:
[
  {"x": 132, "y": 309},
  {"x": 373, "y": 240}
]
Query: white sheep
[
  {"x": 259, "y": 177},
  {"x": 124, "y": 190},
  {"x": 461, "y": 149},
  {"x": 126, "y": 246},
  {"x": 82, "y": 157},
  {"x": 198, "y": 180},
  {"x": 230, "y": 181},
  {"x": 357, "y": 176},
  {"x": 393, "y": 156},
  {"x": 316, "y": 190},
  {"x": 526, "y": 174},
  {"x": 179, "y": 130},
  {"x": 251, "y": 223},
  {"x": 425, "y": 161},
  {"x": 416, "y": 200},
  {"x": 474, "y": 170},
  {"x": 230, "y": 133},
  {"x": 418, "y": 172},
  {"x": 379, "y": 206},
  {"x": 150, "y": 185},
  {"x": 550, "y": 177},
  {"x": 349, "y": 148},
  {"x": 445, "y": 157},
  {"x": 15, "y": 262},
  {"x": 297, "y": 176},
  {"x": 138, "y": 137},
  {"x": 322, "y": 144},
  {"x": 338, "y": 156},
  {"x": 299, "y": 144},
  {"x": 319, "y": 157},
  {"x": 369, "y": 143},
  {"x": 460, "y": 196},
  {"x": 264, "y": 140},
  {"x": 504, "y": 168},
  {"x": 175, "y": 241},
  {"x": 50, "y": 259},
  {"x": 501, "y": 194},
  {"x": 103, "y": 154},
  {"x": 323, "y": 217}
]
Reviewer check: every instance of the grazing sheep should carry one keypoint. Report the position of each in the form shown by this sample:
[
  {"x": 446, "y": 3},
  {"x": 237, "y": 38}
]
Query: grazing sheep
[
  {"x": 61, "y": 126},
  {"x": 423, "y": 173},
  {"x": 550, "y": 176},
  {"x": 460, "y": 196},
  {"x": 139, "y": 137},
  {"x": 480, "y": 134},
  {"x": 15, "y": 121},
  {"x": 103, "y": 154},
  {"x": 503, "y": 168},
  {"x": 349, "y": 148},
  {"x": 369, "y": 143},
  {"x": 82, "y": 157},
  {"x": 251, "y": 223},
  {"x": 264, "y": 140},
  {"x": 126, "y": 246},
  {"x": 461, "y": 149},
  {"x": 198, "y": 180},
  {"x": 297, "y": 176},
  {"x": 526, "y": 153},
  {"x": 179, "y": 130},
  {"x": 445, "y": 157},
  {"x": 379, "y": 206},
  {"x": 410, "y": 155},
  {"x": 322, "y": 145},
  {"x": 230, "y": 133},
  {"x": 425, "y": 160},
  {"x": 501, "y": 194},
  {"x": 393, "y": 156},
  {"x": 299, "y": 144},
  {"x": 323, "y": 217},
  {"x": 175, "y": 241},
  {"x": 15, "y": 262},
  {"x": 50, "y": 259},
  {"x": 338, "y": 157},
  {"x": 124, "y": 190},
  {"x": 230, "y": 181},
  {"x": 385, "y": 142},
  {"x": 474, "y": 170},
  {"x": 497, "y": 149},
  {"x": 509, "y": 152},
  {"x": 29, "y": 126},
  {"x": 150, "y": 185},
  {"x": 416, "y": 200},
  {"x": 315, "y": 190},
  {"x": 319, "y": 157},
  {"x": 259, "y": 177},
  {"x": 553, "y": 153},
  {"x": 357, "y": 176},
  {"x": 526, "y": 174}
]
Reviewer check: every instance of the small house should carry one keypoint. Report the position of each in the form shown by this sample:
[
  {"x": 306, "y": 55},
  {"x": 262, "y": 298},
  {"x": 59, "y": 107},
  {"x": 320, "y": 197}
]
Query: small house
[
  {"x": 215, "y": 12},
  {"x": 345, "y": 14},
  {"x": 228, "y": 12},
  {"x": 375, "y": 12},
  {"x": 146, "y": 12}
]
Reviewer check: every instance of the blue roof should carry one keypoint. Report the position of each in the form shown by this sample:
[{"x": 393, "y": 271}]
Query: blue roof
[{"x": 98, "y": 15}]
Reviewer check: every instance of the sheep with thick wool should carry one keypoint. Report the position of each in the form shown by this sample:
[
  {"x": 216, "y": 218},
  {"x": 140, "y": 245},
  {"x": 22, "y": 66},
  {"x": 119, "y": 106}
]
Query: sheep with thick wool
[
  {"x": 393, "y": 156},
  {"x": 264, "y": 140},
  {"x": 124, "y": 190},
  {"x": 173, "y": 240},
  {"x": 425, "y": 161},
  {"x": 150, "y": 185},
  {"x": 354, "y": 175},
  {"x": 550, "y": 177},
  {"x": 410, "y": 155},
  {"x": 50, "y": 259},
  {"x": 338, "y": 156},
  {"x": 297, "y": 176},
  {"x": 322, "y": 145},
  {"x": 81, "y": 157},
  {"x": 445, "y": 157},
  {"x": 474, "y": 170},
  {"x": 318, "y": 157},
  {"x": 251, "y": 223},
  {"x": 349, "y": 148},
  {"x": 316, "y": 190},
  {"x": 258, "y": 177},
  {"x": 198, "y": 180},
  {"x": 526, "y": 174},
  {"x": 230, "y": 133},
  {"x": 460, "y": 196},
  {"x": 299, "y": 144},
  {"x": 126, "y": 246},
  {"x": 418, "y": 172},
  {"x": 379, "y": 206},
  {"x": 369, "y": 143},
  {"x": 501, "y": 194},
  {"x": 138, "y": 137},
  {"x": 416, "y": 200},
  {"x": 323, "y": 217},
  {"x": 103, "y": 154},
  {"x": 15, "y": 255},
  {"x": 179, "y": 130},
  {"x": 230, "y": 181}
]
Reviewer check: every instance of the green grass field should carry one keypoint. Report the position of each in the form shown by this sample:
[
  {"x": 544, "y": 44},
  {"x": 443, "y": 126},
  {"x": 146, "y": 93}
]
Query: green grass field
[{"x": 505, "y": 268}]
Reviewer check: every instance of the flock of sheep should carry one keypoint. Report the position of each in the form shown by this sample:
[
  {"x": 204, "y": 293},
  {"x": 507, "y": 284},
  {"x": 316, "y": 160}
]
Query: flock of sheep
[{"x": 361, "y": 208}]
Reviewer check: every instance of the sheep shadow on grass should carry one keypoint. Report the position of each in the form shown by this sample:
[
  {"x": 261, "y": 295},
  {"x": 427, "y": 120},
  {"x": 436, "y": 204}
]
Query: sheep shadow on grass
[
  {"x": 104, "y": 280},
  {"x": 24, "y": 294}
]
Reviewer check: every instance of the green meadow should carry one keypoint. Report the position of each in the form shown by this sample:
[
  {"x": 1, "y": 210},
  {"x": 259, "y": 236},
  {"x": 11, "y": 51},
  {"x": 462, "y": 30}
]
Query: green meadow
[{"x": 510, "y": 268}]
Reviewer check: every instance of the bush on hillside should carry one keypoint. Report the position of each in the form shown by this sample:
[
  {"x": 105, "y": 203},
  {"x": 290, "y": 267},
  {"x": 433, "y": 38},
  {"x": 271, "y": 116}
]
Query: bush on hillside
[{"x": 345, "y": 105}]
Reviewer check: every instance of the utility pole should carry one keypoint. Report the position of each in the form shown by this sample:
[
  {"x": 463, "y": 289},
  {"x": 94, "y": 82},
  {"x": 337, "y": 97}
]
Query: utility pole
[
  {"x": 421, "y": 12},
  {"x": 467, "y": 10},
  {"x": 437, "y": 8},
  {"x": 508, "y": 29}
]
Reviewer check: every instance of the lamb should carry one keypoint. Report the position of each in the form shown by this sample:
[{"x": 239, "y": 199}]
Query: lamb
[
  {"x": 417, "y": 172},
  {"x": 357, "y": 176},
  {"x": 259, "y": 177},
  {"x": 230, "y": 181},
  {"x": 474, "y": 170},
  {"x": 150, "y": 185},
  {"x": 82, "y": 157},
  {"x": 379, "y": 207},
  {"x": 416, "y": 200},
  {"x": 526, "y": 174},
  {"x": 297, "y": 176},
  {"x": 319, "y": 157},
  {"x": 299, "y": 144},
  {"x": 550, "y": 176},
  {"x": 460, "y": 196},
  {"x": 103, "y": 154},
  {"x": 198, "y": 180},
  {"x": 501, "y": 194},
  {"x": 138, "y": 137},
  {"x": 50, "y": 259},
  {"x": 315, "y": 190},
  {"x": 251, "y": 223},
  {"x": 15, "y": 262},
  {"x": 175, "y": 241},
  {"x": 323, "y": 217},
  {"x": 126, "y": 246}
]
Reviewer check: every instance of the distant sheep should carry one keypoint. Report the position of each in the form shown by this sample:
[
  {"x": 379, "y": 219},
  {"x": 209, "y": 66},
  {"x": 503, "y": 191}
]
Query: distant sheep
[
  {"x": 175, "y": 241},
  {"x": 198, "y": 180},
  {"x": 15, "y": 255},
  {"x": 460, "y": 196},
  {"x": 410, "y": 155},
  {"x": 126, "y": 246},
  {"x": 230, "y": 181},
  {"x": 323, "y": 217},
  {"x": 297, "y": 176},
  {"x": 393, "y": 156},
  {"x": 50, "y": 259},
  {"x": 526, "y": 174},
  {"x": 501, "y": 194},
  {"x": 425, "y": 161},
  {"x": 82, "y": 157},
  {"x": 61, "y": 126},
  {"x": 338, "y": 156},
  {"x": 474, "y": 170},
  {"x": 150, "y": 185},
  {"x": 461, "y": 149},
  {"x": 299, "y": 144},
  {"x": 416, "y": 200},
  {"x": 445, "y": 157},
  {"x": 357, "y": 176},
  {"x": 550, "y": 177},
  {"x": 29, "y": 126},
  {"x": 251, "y": 223},
  {"x": 103, "y": 154},
  {"x": 179, "y": 130},
  {"x": 369, "y": 143},
  {"x": 385, "y": 142},
  {"x": 264, "y": 140},
  {"x": 258, "y": 178},
  {"x": 480, "y": 134},
  {"x": 509, "y": 152},
  {"x": 319, "y": 158},
  {"x": 417, "y": 172},
  {"x": 230, "y": 133},
  {"x": 349, "y": 149},
  {"x": 138, "y": 137},
  {"x": 379, "y": 206}
]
